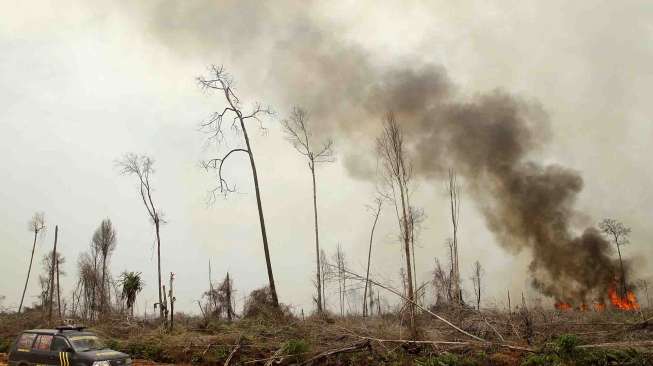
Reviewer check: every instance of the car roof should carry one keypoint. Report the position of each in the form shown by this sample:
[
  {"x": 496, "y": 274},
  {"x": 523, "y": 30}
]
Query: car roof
[{"x": 65, "y": 332}]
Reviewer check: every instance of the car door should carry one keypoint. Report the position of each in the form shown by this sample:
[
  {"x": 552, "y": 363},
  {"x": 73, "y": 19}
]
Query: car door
[
  {"x": 59, "y": 349},
  {"x": 41, "y": 354},
  {"x": 22, "y": 351}
]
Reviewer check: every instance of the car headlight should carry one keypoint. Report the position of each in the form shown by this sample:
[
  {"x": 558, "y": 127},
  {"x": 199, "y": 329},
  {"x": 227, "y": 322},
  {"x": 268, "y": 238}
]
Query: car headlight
[{"x": 101, "y": 363}]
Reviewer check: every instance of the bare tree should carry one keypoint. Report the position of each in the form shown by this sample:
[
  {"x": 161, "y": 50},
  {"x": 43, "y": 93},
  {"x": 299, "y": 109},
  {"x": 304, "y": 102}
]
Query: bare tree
[
  {"x": 396, "y": 174},
  {"x": 618, "y": 233},
  {"x": 52, "y": 269},
  {"x": 377, "y": 212},
  {"x": 441, "y": 283},
  {"x": 454, "y": 201},
  {"x": 476, "y": 280},
  {"x": 142, "y": 167},
  {"x": 299, "y": 133},
  {"x": 341, "y": 265},
  {"x": 35, "y": 225},
  {"x": 52, "y": 263},
  {"x": 220, "y": 81},
  {"x": 104, "y": 240}
]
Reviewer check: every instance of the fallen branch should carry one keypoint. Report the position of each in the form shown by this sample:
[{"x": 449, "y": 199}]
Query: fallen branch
[
  {"x": 233, "y": 352},
  {"x": 351, "y": 348},
  {"x": 449, "y": 343},
  {"x": 648, "y": 344},
  {"x": 361, "y": 278},
  {"x": 494, "y": 329}
]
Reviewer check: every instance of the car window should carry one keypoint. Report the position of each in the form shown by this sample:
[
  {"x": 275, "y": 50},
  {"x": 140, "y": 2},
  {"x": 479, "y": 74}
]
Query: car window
[
  {"x": 43, "y": 342},
  {"x": 25, "y": 341},
  {"x": 59, "y": 344},
  {"x": 85, "y": 343}
]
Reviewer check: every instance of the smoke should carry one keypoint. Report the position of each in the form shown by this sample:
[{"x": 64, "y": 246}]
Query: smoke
[{"x": 489, "y": 139}]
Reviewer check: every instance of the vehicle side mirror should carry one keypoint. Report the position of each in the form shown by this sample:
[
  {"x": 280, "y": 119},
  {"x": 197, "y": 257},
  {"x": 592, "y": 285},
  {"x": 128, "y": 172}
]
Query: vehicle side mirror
[{"x": 69, "y": 350}]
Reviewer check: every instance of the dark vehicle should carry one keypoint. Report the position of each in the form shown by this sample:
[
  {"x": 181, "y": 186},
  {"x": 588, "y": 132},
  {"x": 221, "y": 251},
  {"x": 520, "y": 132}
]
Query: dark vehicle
[{"x": 63, "y": 346}]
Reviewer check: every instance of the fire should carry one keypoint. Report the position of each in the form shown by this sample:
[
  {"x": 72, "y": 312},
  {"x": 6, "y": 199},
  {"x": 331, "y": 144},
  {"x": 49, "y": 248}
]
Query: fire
[
  {"x": 562, "y": 306},
  {"x": 629, "y": 302},
  {"x": 583, "y": 307}
]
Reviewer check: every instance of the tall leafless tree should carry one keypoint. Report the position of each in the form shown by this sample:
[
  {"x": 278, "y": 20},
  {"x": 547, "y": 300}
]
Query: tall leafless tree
[
  {"x": 52, "y": 269},
  {"x": 377, "y": 211},
  {"x": 299, "y": 133},
  {"x": 396, "y": 174},
  {"x": 341, "y": 265},
  {"x": 142, "y": 167},
  {"x": 454, "y": 202},
  {"x": 477, "y": 275},
  {"x": 619, "y": 234},
  {"x": 35, "y": 225},
  {"x": 104, "y": 240},
  {"x": 52, "y": 266},
  {"x": 220, "y": 81}
]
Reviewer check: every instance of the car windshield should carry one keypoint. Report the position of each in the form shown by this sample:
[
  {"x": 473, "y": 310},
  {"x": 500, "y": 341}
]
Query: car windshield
[{"x": 83, "y": 343}]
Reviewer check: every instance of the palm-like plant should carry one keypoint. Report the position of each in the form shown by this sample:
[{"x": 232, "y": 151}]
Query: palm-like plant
[{"x": 132, "y": 284}]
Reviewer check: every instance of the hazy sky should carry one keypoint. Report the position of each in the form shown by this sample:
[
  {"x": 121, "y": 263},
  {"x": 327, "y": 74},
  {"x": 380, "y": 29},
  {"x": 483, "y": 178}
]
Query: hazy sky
[{"x": 81, "y": 83}]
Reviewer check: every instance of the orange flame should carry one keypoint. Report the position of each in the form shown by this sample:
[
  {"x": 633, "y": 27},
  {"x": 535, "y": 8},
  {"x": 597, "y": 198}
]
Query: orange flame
[
  {"x": 629, "y": 302},
  {"x": 583, "y": 307},
  {"x": 562, "y": 306}
]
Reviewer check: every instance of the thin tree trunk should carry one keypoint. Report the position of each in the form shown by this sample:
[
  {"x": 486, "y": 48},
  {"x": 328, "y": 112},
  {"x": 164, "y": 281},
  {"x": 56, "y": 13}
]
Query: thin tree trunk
[
  {"x": 317, "y": 241},
  {"x": 104, "y": 284},
  {"x": 411, "y": 295},
  {"x": 29, "y": 269},
  {"x": 58, "y": 290},
  {"x": 273, "y": 289},
  {"x": 369, "y": 258},
  {"x": 229, "y": 309},
  {"x": 624, "y": 290},
  {"x": 54, "y": 258},
  {"x": 172, "y": 303},
  {"x": 158, "y": 259}
]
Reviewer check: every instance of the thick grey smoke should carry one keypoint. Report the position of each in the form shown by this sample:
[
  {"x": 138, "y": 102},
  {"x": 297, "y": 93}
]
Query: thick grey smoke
[{"x": 488, "y": 139}]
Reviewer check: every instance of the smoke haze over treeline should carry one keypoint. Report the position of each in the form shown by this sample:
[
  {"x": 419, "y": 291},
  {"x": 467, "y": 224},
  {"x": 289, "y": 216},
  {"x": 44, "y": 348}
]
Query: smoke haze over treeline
[{"x": 494, "y": 131}]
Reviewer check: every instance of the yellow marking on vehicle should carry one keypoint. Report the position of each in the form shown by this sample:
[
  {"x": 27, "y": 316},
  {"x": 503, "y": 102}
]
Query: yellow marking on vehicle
[
  {"x": 22, "y": 350},
  {"x": 60, "y": 359},
  {"x": 67, "y": 359}
]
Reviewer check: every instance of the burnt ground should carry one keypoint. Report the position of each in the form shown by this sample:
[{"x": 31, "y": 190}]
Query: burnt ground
[{"x": 534, "y": 337}]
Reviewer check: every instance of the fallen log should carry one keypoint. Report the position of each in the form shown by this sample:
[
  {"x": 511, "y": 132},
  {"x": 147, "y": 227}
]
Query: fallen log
[{"x": 347, "y": 349}]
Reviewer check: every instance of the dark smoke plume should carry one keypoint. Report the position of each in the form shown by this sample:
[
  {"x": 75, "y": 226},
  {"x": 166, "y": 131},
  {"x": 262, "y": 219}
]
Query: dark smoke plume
[{"x": 488, "y": 139}]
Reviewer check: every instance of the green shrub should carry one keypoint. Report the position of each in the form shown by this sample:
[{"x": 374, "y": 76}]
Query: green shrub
[
  {"x": 446, "y": 359},
  {"x": 566, "y": 345},
  {"x": 295, "y": 347}
]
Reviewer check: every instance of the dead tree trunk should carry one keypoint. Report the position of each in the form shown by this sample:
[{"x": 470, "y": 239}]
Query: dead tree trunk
[
  {"x": 454, "y": 200},
  {"x": 299, "y": 134},
  {"x": 56, "y": 261},
  {"x": 29, "y": 269},
  {"x": 172, "y": 302},
  {"x": 369, "y": 254},
  {"x": 54, "y": 258},
  {"x": 222, "y": 82}
]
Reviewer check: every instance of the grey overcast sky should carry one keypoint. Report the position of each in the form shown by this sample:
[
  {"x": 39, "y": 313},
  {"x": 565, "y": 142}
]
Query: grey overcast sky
[{"x": 82, "y": 82}]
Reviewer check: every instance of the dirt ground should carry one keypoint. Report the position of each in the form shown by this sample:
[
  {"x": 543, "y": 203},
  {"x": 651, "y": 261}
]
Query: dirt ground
[{"x": 507, "y": 339}]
